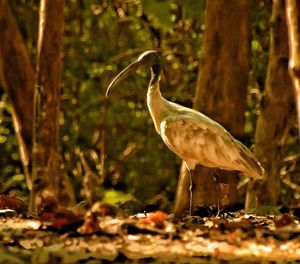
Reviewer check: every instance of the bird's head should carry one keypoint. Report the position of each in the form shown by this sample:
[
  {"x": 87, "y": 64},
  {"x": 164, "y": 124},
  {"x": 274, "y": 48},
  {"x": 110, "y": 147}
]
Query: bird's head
[{"x": 149, "y": 58}]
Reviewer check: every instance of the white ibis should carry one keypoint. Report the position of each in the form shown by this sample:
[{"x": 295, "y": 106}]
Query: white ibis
[{"x": 191, "y": 135}]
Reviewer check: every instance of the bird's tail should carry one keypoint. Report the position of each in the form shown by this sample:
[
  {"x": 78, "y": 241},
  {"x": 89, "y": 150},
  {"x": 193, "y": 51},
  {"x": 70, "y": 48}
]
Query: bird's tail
[
  {"x": 251, "y": 165},
  {"x": 256, "y": 171}
]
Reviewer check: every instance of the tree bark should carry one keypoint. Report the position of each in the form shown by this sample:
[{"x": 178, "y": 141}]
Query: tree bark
[
  {"x": 274, "y": 120},
  {"x": 46, "y": 158},
  {"x": 293, "y": 23},
  {"x": 18, "y": 78},
  {"x": 18, "y": 73},
  {"x": 221, "y": 90}
]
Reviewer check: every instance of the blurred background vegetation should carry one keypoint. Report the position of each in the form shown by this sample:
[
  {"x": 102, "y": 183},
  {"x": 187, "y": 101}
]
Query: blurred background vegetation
[{"x": 117, "y": 136}]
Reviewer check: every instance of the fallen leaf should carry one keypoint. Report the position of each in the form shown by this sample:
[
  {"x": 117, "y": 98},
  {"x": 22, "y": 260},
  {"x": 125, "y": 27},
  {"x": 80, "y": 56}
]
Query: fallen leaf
[{"x": 14, "y": 203}]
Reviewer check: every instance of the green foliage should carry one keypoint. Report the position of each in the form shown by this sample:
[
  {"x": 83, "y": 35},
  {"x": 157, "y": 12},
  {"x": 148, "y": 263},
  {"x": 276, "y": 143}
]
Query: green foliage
[
  {"x": 192, "y": 9},
  {"x": 116, "y": 197},
  {"x": 264, "y": 210},
  {"x": 100, "y": 38},
  {"x": 260, "y": 15},
  {"x": 105, "y": 38},
  {"x": 159, "y": 12},
  {"x": 12, "y": 181}
]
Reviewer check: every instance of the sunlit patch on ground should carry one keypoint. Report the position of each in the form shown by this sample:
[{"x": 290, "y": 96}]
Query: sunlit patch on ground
[{"x": 241, "y": 237}]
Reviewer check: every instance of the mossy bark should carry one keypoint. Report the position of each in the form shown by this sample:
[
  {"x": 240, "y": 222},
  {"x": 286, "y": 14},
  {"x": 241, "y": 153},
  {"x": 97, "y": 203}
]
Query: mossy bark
[
  {"x": 274, "y": 121},
  {"x": 46, "y": 170}
]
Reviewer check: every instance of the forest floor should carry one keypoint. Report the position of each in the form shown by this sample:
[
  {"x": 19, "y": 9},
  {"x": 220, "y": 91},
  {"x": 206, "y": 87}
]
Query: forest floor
[{"x": 100, "y": 236}]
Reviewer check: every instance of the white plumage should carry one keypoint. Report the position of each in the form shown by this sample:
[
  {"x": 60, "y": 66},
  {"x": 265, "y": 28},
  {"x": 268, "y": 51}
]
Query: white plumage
[
  {"x": 191, "y": 135},
  {"x": 197, "y": 139}
]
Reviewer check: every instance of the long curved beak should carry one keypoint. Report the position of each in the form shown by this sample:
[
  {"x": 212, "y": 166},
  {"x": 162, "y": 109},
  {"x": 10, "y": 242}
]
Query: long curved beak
[{"x": 123, "y": 74}]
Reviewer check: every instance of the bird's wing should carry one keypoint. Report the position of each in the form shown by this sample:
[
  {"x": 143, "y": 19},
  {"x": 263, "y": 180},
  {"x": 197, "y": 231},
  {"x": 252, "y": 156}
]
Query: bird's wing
[{"x": 207, "y": 143}]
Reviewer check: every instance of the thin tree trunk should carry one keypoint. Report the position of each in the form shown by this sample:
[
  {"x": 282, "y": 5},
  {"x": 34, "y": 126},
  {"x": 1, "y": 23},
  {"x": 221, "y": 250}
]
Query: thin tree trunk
[
  {"x": 18, "y": 73},
  {"x": 293, "y": 23},
  {"x": 17, "y": 76},
  {"x": 46, "y": 159},
  {"x": 221, "y": 90},
  {"x": 274, "y": 120}
]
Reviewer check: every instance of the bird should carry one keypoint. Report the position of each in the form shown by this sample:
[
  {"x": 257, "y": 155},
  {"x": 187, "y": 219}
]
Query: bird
[{"x": 192, "y": 136}]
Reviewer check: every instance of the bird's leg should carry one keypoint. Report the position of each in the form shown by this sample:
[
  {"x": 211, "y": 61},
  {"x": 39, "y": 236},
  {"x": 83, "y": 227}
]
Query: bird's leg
[
  {"x": 218, "y": 190},
  {"x": 191, "y": 172}
]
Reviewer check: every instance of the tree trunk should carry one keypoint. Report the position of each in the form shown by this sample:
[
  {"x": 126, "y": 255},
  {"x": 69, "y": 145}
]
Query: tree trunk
[
  {"x": 17, "y": 76},
  {"x": 18, "y": 73},
  {"x": 221, "y": 90},
  {"x": 293, "y": 23},
  {"x": 274, "y": 120},
  {"x": 46, "y": 159}
]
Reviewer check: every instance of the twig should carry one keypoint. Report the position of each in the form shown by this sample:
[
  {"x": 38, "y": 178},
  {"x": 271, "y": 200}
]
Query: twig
[{"x": 23, "y": 151}]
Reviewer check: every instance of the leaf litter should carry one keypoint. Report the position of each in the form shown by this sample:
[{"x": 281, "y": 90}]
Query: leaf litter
[{"x": 68, "y": 236}]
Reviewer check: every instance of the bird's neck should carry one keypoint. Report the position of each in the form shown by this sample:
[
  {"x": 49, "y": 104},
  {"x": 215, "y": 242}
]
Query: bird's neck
[
  {"x": 158, "y": 106},
  {"x": 155, "y": 75}
]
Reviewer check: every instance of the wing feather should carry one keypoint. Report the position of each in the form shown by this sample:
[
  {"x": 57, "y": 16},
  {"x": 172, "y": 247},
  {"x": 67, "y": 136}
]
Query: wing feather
[{"x": 208, "y": 144}]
